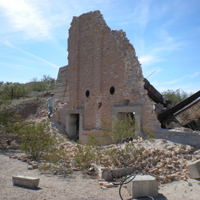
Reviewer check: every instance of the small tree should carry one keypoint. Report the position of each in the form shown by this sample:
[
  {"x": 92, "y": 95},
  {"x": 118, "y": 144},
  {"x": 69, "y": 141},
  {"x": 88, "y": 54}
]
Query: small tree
[
  {"x": 175, "y": 96},
  {"x": 50, "y": 82}
]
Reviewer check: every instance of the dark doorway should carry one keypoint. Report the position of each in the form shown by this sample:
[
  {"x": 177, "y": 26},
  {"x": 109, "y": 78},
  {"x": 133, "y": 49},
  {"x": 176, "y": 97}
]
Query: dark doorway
[{"x": 74, "y": 126}]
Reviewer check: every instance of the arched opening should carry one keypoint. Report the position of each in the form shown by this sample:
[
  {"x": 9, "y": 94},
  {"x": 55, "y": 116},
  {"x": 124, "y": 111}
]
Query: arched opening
[
  {"x": 112, "y": 90},
  {"x": 87, "y": 94}
]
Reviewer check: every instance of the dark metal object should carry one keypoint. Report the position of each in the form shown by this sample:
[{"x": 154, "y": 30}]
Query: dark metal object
[
  {"x": 188, "y": 113},
  {"x": 154, "y": 94},
  {"x": 169, "y": 113}
]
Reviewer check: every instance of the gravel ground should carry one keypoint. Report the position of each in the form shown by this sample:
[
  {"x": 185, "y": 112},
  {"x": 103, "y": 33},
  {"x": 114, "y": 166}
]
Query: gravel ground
[{"x": 77, "y": 186}]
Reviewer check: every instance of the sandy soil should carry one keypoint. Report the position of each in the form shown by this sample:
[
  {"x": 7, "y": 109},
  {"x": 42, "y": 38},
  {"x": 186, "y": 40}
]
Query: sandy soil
[
  {"x": 74, "y": 186},
  {"x": 77, "y": 186}
]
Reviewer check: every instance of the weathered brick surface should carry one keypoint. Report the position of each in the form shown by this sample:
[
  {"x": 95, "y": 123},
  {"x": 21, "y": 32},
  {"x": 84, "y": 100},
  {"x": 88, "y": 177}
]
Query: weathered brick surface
[
  {"x": 60, "y": 115},
  {"x": 99, "y": 59}
]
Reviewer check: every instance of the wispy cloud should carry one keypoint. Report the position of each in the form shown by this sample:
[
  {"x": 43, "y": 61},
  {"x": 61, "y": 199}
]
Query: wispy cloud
[
  {"x": 139, "y": 16},
  {"x": 148, "y": 59},
  {"x": 178, "y": 80},
  {"x": 195, "y": 75},
  {"x": 26, "y": 17},
  {"x": 30, "y": 54}
]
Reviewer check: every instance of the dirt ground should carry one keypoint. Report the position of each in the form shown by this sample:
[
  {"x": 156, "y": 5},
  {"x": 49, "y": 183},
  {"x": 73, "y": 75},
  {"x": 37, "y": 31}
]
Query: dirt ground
[{"x": 77, "y": 186}]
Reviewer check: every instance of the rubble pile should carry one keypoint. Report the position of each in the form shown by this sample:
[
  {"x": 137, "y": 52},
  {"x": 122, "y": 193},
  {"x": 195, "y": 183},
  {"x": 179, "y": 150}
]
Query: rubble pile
[
  {"x": 165, "y": 160},
  {"x": 32, "y": 164}
]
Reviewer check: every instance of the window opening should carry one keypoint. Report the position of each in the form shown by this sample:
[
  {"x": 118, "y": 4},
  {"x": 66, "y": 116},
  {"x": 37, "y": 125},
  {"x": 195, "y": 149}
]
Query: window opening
[
  {"x": 74, "y": 126},
  {"x": 112, "y": 90},
  {"x": 99, "y": 105},
  {"x": 87, "y": 94},
  {"x": 130, "y": 119}
]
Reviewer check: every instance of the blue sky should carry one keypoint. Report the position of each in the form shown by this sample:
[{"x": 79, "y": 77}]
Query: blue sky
[{"x": 164, "y": 33}]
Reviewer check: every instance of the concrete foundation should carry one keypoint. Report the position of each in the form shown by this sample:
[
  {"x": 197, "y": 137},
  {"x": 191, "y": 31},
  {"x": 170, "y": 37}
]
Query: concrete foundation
[
  {"x": 142, "y": 186},
  {"x": 108, "y": 174},
  {"x": 194, "y": 169},
  {"x": 25, "y": 181}
]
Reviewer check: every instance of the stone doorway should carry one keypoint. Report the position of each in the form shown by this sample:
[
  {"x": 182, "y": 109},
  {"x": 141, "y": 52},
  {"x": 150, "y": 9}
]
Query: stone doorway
[
  {"x": 74, "y": 124},
  {"x": 134, "y": 112}
]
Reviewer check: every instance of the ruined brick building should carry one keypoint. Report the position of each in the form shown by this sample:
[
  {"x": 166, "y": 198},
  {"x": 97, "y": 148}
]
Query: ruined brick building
[{"x": 103, "y": 79}]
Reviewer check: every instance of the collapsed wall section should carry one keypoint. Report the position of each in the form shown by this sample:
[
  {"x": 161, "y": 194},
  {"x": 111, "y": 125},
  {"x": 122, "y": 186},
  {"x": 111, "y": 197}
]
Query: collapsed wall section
[
  {"x": 61, "y": 89},
  {"x": 134, "y": 84}
]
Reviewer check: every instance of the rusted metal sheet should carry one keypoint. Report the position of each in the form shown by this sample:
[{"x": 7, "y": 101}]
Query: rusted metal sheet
[
  {"x": 154, "y": 94},
  {"x": 169, "y": 113},
  {"x": 188, "y": 113}
]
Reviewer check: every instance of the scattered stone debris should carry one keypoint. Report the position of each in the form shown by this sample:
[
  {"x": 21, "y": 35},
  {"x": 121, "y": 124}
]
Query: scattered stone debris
[
  {"x": 165, "y": 160},
  {"x": 24, "y": 158},
  {"x": 168, "y": 162}
]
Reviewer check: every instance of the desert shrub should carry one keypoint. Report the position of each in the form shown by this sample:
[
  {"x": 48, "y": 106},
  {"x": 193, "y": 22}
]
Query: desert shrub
[
  {"x": 36, "y": 86},
  {"x": 121, "y": 130},
  {"x": 84, "y": 155},
  {"x": 37, "y": 140},
  {"x": 46, "y": 84},
  {"x": 10, "y": 91},
  {"x": 148, "y": 135},
  {"x": 7, "y": 119},
  {"x": 43, "y": 145},
  {"x": 92, "y": 141},
  {"x": 56, "y": 162}
]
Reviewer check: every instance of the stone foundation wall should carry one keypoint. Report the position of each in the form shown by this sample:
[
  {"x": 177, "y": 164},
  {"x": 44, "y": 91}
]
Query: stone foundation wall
[{"x": 60, "y": 115}]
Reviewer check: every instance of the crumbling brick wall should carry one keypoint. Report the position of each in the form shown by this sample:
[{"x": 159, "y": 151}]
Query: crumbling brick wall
[
  {"x": 100, "y": 59},
  {"x": 104, "y": 73}
]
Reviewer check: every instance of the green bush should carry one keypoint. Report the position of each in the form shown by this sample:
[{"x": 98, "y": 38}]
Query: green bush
[
  {"x": 36, "y": 139},
  {"x": 36, "y": 86},
  {"x": 84, "y": 155},
  {"x": 7, "y": 119},
  {"x": 56, "y": 162},
  {"x": 121, "y": 130},
  {"x": 92, "y": 141},
  {"x": 175, "y": 96},
  {"x": 10, "y": 91},
  {"x": 46, "y": 84},
  {"x": 40, "y": 143}
]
